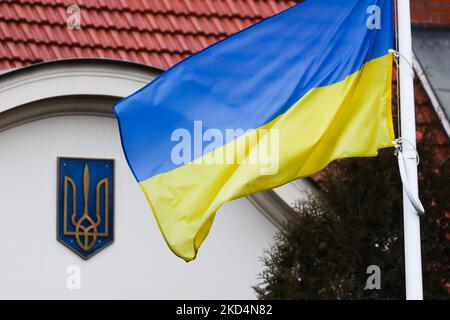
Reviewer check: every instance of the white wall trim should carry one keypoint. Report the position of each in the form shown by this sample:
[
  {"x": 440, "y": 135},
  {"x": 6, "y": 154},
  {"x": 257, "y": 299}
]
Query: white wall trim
[{"x": 72, "y": 77}]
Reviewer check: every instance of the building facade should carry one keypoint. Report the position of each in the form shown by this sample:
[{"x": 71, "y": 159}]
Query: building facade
[
  {"x": 58, "y": 85},
  {"x": 63, "y": 65}
]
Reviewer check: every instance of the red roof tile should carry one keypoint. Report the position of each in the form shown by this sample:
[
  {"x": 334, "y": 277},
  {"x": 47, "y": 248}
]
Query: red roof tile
[{"x": 154, "y": 32}]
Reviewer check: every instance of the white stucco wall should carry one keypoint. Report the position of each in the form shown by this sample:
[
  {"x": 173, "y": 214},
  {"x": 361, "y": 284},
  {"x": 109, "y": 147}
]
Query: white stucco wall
[{"x": 138, "y": 264}]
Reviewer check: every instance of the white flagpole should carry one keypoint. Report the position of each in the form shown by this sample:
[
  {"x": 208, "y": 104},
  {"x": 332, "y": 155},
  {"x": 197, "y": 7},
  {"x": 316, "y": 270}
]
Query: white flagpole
[{"x": 411, "y": 220}]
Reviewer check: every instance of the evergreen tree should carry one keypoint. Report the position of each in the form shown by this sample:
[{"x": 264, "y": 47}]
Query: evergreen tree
[{"x": 356, "y": 221}]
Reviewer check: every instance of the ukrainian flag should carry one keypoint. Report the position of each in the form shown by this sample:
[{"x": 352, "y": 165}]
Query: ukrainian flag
[{"x": 316, "y": 77}]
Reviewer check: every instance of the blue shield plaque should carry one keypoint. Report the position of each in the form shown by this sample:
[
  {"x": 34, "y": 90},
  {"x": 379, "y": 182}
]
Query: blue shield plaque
[{"x": 85, "y": 220}]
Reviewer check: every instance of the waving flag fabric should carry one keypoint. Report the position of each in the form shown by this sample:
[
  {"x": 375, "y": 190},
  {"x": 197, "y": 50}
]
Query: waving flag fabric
[{"x": 318, "y": 75}]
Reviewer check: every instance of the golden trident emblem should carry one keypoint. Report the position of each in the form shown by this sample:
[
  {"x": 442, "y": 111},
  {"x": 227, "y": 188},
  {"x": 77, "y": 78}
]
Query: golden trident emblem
[{"x": 86, "y": 228}]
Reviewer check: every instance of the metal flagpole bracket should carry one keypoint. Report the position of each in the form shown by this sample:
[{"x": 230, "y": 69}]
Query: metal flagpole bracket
[
  {"x": 399, "y": 153},
  {"x": 398, "y": 55}
]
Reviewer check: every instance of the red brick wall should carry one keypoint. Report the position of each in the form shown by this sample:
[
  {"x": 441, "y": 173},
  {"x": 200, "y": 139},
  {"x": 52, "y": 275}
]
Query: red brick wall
[{"x": 431, "y": 12}]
